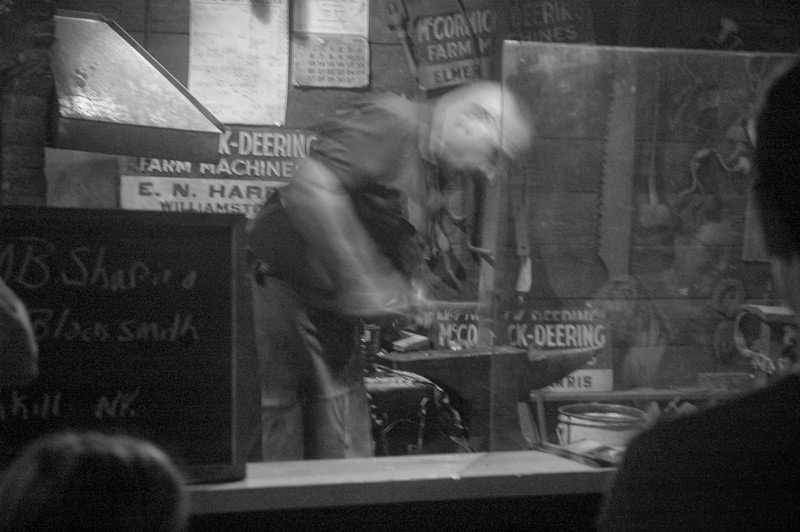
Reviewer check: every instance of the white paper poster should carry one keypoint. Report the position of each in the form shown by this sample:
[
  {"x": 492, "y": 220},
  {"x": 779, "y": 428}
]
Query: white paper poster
[
  {"x": 239, "y": 59},
  {"x": 330, "y": 45},
  {"x": 332, "y": 16}
]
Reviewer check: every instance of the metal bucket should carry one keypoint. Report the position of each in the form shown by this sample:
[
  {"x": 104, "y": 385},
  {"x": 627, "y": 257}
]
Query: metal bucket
[{"x": 612, "y": 425}]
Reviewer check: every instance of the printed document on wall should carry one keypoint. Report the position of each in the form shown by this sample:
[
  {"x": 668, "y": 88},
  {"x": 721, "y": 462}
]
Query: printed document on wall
[
  {"x": 239, "y": 59},
  {"x": 330, "y": 45}
]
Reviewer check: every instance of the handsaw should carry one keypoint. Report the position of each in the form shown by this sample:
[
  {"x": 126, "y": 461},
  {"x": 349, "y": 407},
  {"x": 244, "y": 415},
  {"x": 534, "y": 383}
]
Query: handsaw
[{"x": 618, "y": 169}]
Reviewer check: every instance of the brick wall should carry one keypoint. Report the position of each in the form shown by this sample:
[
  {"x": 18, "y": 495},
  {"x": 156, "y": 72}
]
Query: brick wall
[{"x": 26, "y": 97}]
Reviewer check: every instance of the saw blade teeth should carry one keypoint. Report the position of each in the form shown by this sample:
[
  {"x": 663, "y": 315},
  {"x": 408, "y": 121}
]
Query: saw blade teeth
[{"x": 618, "y": 168}]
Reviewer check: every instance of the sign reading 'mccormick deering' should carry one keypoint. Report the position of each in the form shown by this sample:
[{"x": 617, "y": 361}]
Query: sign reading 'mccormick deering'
[{"x": 143, "y": 326}]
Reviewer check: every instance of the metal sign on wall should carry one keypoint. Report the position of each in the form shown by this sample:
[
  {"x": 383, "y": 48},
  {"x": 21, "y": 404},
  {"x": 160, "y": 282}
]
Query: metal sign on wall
[
  {"x": 252, "y": 162},
  {"x": 449, "y": 42}
]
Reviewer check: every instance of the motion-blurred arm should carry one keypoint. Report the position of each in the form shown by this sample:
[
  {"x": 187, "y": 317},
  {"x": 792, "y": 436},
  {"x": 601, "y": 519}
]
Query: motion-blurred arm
[{"x": 366, "y": 282}]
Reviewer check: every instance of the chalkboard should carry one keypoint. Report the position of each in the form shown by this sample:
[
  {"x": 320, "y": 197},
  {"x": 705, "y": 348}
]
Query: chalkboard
[{"x": 143, "y": 324}]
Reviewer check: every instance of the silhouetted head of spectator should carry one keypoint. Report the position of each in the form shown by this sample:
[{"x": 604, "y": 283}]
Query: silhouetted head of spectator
[
  {"x": 92, "y": 482},
  {"x": 777, "y": 187}
]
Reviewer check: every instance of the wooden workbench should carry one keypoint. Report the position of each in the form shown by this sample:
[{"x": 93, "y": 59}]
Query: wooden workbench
[{"x": 398, "y": 479}]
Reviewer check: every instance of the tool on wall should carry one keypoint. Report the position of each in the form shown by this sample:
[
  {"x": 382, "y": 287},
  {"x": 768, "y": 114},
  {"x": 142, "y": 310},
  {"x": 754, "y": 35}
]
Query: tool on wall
[
  {"x": 479, "y": 219},
  {"x": 654, "y": 213},
  {"x": 396, "y": 17},
  {"x": 618, "y": 169},
  {"x": 726, "y": 39},
  {"x": 519, "y": 214}
]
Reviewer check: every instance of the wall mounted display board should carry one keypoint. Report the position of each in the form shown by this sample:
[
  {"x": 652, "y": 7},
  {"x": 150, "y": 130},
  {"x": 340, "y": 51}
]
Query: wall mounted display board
[
  {"x": 143, "y": 326},
  {"x": 635, "y": 199}
]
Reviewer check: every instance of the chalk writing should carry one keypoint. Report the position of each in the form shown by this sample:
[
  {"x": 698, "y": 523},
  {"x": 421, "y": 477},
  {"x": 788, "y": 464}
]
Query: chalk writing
[
  {"x": 28, "y": 262},
  {"x": 142, "y": 326},
  {"x": 22, "y": 406},
  {"x": 47, "y": 324},
  {"x": 61, "y": 326},
  {"x": 180, "y": 328},
  {"x": 119, "y": 406}
]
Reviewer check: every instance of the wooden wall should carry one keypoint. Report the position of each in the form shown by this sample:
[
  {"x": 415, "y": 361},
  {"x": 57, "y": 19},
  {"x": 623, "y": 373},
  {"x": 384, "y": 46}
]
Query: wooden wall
[
  {"x": 637, "y": 193},
  {"x": 567, "y": 246},
  {"x": 162, "y": 27}
]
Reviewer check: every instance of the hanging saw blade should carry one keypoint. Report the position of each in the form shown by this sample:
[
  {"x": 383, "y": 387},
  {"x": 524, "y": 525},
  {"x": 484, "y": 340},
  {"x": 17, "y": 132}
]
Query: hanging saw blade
[{"x": 618, "y": 168}]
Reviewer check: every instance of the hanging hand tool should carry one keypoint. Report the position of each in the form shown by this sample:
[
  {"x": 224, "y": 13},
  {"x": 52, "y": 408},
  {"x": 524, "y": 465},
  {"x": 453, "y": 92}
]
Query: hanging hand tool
[
  {"x": 397, "y": 21},
  {"x": 519, "y": 213},
  {"x": 618, "y": 170}
]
